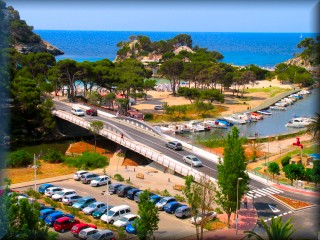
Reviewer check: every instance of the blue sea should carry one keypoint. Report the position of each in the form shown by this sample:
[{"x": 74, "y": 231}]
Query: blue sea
[{"x": 262, "y": 49}]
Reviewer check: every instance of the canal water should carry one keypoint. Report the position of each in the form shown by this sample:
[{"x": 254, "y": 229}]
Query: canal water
[{"x": 271, "y": 124}]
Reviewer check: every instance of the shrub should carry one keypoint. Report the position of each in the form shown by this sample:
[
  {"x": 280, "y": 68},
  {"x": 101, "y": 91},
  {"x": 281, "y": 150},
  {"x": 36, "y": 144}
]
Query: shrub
[
  {"x": 285, "y": 161},
  {"x": 53, "y": 156},
  {"x": 88, "y": 160},
  {"x": 165, "y": 193},
  {"x": 148, "y": 116},
  {"x": 20, "y": 158},
  {"x": 179, "y": 198},
  {"x": 218, "y": 210},
  {"x": 118, "y": 177},
  {"x": 33, "y": 193}
]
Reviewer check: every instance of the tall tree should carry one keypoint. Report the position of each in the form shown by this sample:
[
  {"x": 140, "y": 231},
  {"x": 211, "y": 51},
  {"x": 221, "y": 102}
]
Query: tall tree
[
  {"x": 148, "y": 84},
  {"x": 148, "y": 219},
  {"x": 316, "y": 172},
  {"x": 315, "y": 127},
  {"x": 95, "y": 128},
  {"x": 293, "y": 171},
  {"x": 274, "y": 168},
  {"x": 276, "y": 230},
  {"x": 246, "y": 78},
  {"x": 230, "y": 169},
  {"x": 172, "y": 69}
]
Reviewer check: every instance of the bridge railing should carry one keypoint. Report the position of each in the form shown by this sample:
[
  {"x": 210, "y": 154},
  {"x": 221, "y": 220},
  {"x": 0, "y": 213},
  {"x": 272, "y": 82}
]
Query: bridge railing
[{"x": 158, "y": 157}]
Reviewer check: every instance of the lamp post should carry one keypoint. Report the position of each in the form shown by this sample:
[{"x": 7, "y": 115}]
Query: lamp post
[
  {"x": 239, "y": 179},
  {"x": 108, "y": 198},
  {"x": 35, "y": 171}
]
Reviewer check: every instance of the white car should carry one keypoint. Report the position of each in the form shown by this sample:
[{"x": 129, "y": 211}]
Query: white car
[
  {"x": 87, "y": 232},
  {"x": 77, "y": 175},
  {"x": 125, "y": 220},
  {"x": 70, "y": 199},
  {"x": 208, "y": 215},
  {"x": 65, "y": 192},
  {"x": 76, "y": 110},
  {"x": 101, "y": 180},
  {"x": 193, "y": 160},
  {"x": 52, "y": 190}
]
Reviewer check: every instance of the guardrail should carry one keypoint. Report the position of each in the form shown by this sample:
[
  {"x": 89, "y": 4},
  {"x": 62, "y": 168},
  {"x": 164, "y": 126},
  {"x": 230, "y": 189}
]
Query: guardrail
[{"x": 134, "y": 146}]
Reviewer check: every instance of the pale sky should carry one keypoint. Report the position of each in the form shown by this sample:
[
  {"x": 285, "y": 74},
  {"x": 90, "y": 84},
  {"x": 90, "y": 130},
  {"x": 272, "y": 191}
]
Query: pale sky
[{"x": 175, "y": 15}]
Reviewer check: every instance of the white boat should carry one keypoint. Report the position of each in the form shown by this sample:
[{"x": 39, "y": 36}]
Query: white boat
[
  {"x": 281, "y": 104},
  {"x": 287, "y": 100},
  {"x": 278, "y": 108},
  {"x": 215, "y": 124},
  {"x": 245, "y": 116},
  {"x": 303, "y": 92},
  {"x": 265, "y": 112},
  {"x": 233, "y": 119},
  {"x": 299, "y": 122},
  {"x": 195, "y": 127}
]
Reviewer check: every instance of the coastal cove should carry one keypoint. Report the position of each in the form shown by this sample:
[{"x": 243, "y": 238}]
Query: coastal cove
[{"x": 238, "y": 48}]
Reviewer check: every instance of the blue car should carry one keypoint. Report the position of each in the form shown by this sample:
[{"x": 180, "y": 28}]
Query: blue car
[
  {"x": 131, "y": 229},
  {"x": 44, "y": 186},
  {"x": 45, "y": 212},
  {"x": 132, "y": 192},
  {"x": 51, "y": 218},
  {"x": 83, "y": 202},
  {"x": 172, "y": 207},
  {"x": 155, "y": 198}
]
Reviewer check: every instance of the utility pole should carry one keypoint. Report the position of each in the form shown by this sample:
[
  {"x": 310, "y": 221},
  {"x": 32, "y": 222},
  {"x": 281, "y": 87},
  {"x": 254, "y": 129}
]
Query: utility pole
[
  {"x": 35, "y": 171},
  {"x": 239, "y": 179}
]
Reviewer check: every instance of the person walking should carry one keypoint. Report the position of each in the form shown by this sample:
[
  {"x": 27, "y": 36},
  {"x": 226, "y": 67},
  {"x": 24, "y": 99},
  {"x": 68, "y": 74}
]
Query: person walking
[{"x": 245, "y": 202}]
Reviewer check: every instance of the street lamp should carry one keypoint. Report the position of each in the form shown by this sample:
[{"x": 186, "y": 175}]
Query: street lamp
[
  {"x": 239, "y": 179},
  {"x": 108, "y": 198}
]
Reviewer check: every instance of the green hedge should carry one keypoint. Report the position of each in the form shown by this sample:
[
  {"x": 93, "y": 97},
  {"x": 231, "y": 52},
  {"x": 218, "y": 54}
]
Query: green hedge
[
  {"x": 19, "y": 158},
  {"x": 54, "y": 156},
  {"x": 88, "y": 160}
]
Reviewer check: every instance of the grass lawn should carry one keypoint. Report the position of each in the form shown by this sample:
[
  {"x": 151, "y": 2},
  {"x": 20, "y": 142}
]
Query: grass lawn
[{"x": 273, "y": 91}]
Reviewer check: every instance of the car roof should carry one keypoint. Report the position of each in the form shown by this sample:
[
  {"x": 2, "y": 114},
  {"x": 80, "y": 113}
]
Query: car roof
[
  {"x": 169, "y": 197},
  {"x": 130, "y": 215},
  {"x": 46, "y": 184},
  {"x": 183, "y": 207},
  {"x": 47, "y": 210},
  {"x": 55, "y": 187},
  {"x": 99, "y": 202},
  {"x": 105, "y": 231},
  {"x": 88, "y": 229},
  {"x": 81, "y": 171},
  {"x": 101, "y": 176},
  {"x": 55, "y": 214},
  {"x": 63, "y": 219}
]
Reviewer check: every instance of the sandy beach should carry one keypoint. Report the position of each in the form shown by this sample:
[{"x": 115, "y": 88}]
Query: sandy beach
[{"x": 231, "y": 103}]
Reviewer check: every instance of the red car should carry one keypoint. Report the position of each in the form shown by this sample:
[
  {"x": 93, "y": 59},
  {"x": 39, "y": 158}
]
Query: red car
[
  {"x": 92, "y": 112},
  {"x": 64, "y": 223},
  {"x": 80, "y": 226}
]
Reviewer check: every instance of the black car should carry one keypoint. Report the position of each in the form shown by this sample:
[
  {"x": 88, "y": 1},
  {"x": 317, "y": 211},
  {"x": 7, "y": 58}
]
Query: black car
[
  {"x": 132, "y": 192},
  {"x": 123, "y": 190},
  {"x": 114, "y": 187}
]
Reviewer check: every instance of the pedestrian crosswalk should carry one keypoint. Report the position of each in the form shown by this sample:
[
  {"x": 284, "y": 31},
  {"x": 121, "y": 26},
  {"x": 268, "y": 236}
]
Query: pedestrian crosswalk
[{"x": 256, "y": 193}]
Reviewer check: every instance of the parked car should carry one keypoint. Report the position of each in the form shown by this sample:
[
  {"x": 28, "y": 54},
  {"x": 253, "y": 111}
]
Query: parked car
[
  {"x": 158, "y": 107},
  {"x": 122, "y": 190},
  {"x": 44, "y": 186},
  {"x": 164, "y": 201},
  {"x": 65, "y": 192},
  {"x": 172, "y": 206},
  {"x": 99, "y": 212},
  {"x": 115, "y": 213},
  {"x": 132, "y": 192},
  {"x": 175, "y": 145},
  {"x": 155, "y": 198},
  {"x": 100, "y": 180},
  {"x": 136, "y": 197},
  {"x": 51, "y": 218},
  {"x": 125, "y": 220},
  {"x": 92, "y": 207},
  {"x": 92, "y": 112},
  {"x": 131, "y": 229},
  {"x": 45, "y": 212},
  {"x": 81, "y": 226},
  {"x": 83, "y": 202},
  {"x": 52, "y": 190},
  {"x": 209, "y": 215},
  {"x": 102, "y": 235},
  {"x": 193, "y": 160},
  {"x": 76, "y": 110},
  {"x": 88, "y": 177},
  {"x": 87, "y": 232},
  {"x": 114, "y": 187},
  {"x": 183, "y": 212},
  {"x": 64, "y": 223},
  {"x": 71, "y": 199},
  {"x": 78, "y": 174}
]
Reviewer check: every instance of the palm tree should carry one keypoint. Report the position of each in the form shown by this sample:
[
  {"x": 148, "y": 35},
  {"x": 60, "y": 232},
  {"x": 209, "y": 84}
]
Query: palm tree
[
  {"x": 315, "y": 127},
  {"x": 276, "y": 230}
]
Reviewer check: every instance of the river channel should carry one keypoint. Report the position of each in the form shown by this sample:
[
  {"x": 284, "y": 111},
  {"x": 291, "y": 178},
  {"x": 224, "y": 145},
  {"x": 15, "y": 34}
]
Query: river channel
[{"x": 273, "y": 124}]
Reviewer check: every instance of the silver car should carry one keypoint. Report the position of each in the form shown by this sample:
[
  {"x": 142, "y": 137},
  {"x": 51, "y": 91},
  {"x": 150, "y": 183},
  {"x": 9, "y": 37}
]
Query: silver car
[
  {"x": 164, "y": 201},
  {"x": 87, "y": 232},
  {"x": 93, "y": 207},
  {"x": 77, "y": 175},
  {"x": 193, "y": 160},
  {"x": 69, "y": 200}
]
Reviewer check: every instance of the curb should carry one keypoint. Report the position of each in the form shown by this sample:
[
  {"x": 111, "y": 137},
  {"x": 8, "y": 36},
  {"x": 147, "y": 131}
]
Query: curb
[{"x": 288, "y": 206}]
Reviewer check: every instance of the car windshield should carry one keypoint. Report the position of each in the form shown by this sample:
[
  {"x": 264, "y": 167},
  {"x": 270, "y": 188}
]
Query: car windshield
[
  {"x": 163, "y": 200},
  {"x": 110, "y": 213},
  {"x": 194, "y": 159},
  {"x": 59, "y": 193},
  {"x": 96, "y": 235},
  {"x": 93, "y": 205},
  {"x": 124, "y": 219},
  {"x": 79, "y": 110},
  {"x": 81, "y": 201},
  {"x": 97, "y": 179}
]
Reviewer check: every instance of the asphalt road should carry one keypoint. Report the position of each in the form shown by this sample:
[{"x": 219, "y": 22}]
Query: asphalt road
[{"x": 265, "y": 206}]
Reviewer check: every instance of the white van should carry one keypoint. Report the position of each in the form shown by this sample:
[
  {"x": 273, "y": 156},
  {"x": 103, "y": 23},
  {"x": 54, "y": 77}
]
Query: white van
[
  {"x": 76, "y": 110},
  {"x": 115, "y": 213}
]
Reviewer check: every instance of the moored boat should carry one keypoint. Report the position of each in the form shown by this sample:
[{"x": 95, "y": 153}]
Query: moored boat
[
  {"x": 234, "y": 120},
  {"x": 265, "y": 112},
  {"x": 281, "y": 108},
  {"x": 299, "y": 122}
]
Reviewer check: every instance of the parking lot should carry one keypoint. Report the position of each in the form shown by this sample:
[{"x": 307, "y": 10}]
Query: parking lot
[{"x": 170, "y": 227}]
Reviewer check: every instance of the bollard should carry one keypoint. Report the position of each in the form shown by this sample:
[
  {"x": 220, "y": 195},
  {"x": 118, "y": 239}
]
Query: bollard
[
  {"x": 168, "y": 179},
  {"x": 134, "y": 170}
]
